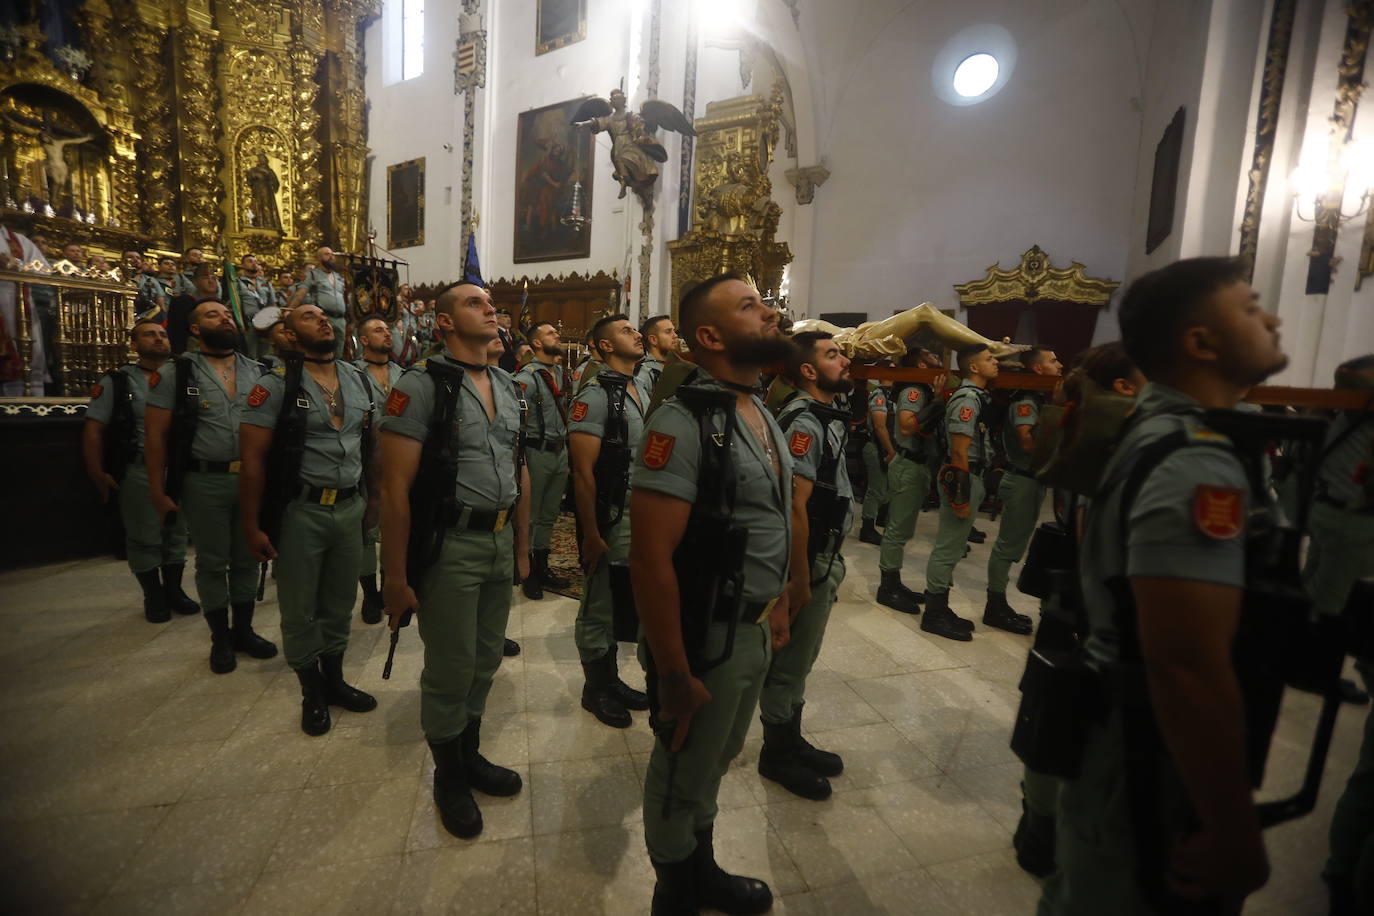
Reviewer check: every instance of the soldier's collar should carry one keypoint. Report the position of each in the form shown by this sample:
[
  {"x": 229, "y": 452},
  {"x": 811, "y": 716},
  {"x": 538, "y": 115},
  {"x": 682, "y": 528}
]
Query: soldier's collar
[
  {"x": 743, "y": 389},
  {"x": 319, "y": 360},
  {"x": 377, "y": 362}
]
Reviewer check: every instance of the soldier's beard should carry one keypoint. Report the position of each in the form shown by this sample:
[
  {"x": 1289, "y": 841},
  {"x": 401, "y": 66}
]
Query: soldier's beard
[
  {"x": 219, "y": 338},
  {"x": 319, "y": 346},
  {"x": 839, "y": 386},
  {"x": 763, "y": 350}
]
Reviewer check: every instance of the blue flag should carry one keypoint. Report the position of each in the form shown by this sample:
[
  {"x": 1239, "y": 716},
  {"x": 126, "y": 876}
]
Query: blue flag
[{"x": 472, "y": 269}]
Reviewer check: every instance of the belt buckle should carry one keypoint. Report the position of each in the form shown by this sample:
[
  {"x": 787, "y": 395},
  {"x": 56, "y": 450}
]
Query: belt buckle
[
  {"x": 234, "y": 466},
  {"x": 500, "y": 520},
  {"x": 329, "y": 496},
  {"x": 767, "y": 610}
]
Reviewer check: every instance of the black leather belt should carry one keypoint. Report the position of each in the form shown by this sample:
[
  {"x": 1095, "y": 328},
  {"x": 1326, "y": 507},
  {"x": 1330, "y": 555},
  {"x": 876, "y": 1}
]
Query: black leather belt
[
  {"x": 545, "y": 445},
  {"x": 909, "y": 454},
  {"x": 327, "y": 496},
  {"x": 483, "y": 519},
  {"x": 214, "y": 467},
  {"x": 756, "y": 611},
  {"x": 1018, "y": 472}
]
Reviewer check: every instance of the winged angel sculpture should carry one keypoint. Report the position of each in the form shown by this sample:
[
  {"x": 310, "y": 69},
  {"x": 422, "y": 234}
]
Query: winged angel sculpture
[{"x": 634, "y": 148}]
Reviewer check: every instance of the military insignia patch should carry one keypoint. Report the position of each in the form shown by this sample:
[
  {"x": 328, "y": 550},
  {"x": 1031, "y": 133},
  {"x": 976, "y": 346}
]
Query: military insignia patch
[
  {"x": 878, "y": 402},
  {"x": 658, "y": 448},
  {"x": 154, "y": 379},
  {"x": 97, "y": 390},
  {"x": 912, "y": 394},
  {"x": 965, "y": 414},
  {"x": 258, "y": 396},
  {"x": 800, "y": 443},
  {"x": 1219, "y": 512},
  {"x": 396, "y": 403},
  {"x": 579, "y": 411},
  {"x": 1023, "y": 410}
]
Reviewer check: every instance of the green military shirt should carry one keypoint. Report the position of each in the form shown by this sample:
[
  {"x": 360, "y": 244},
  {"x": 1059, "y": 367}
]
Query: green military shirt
[
  {"x": 546, "y": 398},
  {"x": 152, "y": 295},
  {"x": 379, "y": 394},
  {"x": 963, "y": 417},
  {"x": 668, "y": 462},
  {"x": 1024, "y": 410},
  {"x": 217, "y": 426},
  {"x": 878, "y": 400},
  {"x": 1187, "y": 520},
  {"x": 102, "y": 405},
  {"x": 486, "y": 448},
  {"x": 325, "y": 288},
  {"x": 805, "y": 441},
  {"x": 184, "y": 284},
  {"x": 1340, "y": 477},
  {"x": 646, "y": 376},
  {"x": 332, "y": 457},
  {"x": 588, "y": 414},
  {"x": 255, "y": 294},
  {"x": 912, "y": 400},
  {"x": 583, "y": 371}
]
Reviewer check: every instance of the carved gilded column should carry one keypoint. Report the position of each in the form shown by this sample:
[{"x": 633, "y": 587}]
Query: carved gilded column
[
  {"x": 347, "y": 154},
  {"x": 156, "y": 182},
  {"x": 197, "y": 103},
  {"x": 306, "y": 121}
]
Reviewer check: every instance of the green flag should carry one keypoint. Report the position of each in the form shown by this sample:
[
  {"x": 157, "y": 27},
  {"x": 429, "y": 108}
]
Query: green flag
[{"x": 231, "y": 285}]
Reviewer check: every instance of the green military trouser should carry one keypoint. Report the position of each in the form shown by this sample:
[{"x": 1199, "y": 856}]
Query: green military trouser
[
  {"x": 951, "y": 538},
  {"x": 548, "y": 481},
  {"x": 146, "y": 542},
  {"x": 784, "y": 688},
  {"x": 317, "y": 555},
  {"x": 1342, "y": 550},
  {"x": 367, "y": 558},
  {"x": 226, "y": 572},
  {"x": 876, "y": 494},
  {"x": 1021, "y": 498},
  {"x": 594, "y": 629},
  {"x": 464, "y": 605},
  {"x": 680, "y": 789},
  {"x": 1352, "y": 825},
  {"x": 907, "y": 484}
]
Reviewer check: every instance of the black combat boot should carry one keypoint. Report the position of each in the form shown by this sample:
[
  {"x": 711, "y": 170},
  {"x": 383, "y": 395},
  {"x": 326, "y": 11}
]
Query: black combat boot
[
  {"x": 869, "y": 533},
  {"x": 452, "y": 795},
  {"x": 597, "y": 696},
  {"x": 719, "y": 890},
  {"x": 941, "y": 621},
  {"x": 245, "y": 640},
  {"x": 222, "y": 659},
  {"x": 997, "y": 613},
  {"x": 1034, "y": 842},
  {"x": 780, "y": 760},
  {"x": 511, "y": 648},
  {"x": 975, "y": 536},
  {"x": 372, "y": 599},
  {"x": 546, "y": 576},
  {"x": 483, "y": 775},
  {"x": 881, "y": 520},
  {"x": 627, "y": 695},
  {"x": 675, "y": 890},
  {"x": 314, "y": 705},
  {"x": 155, "y": 609},
  {"x": 892, "y": 593},
  {"x": 338, "y": 692},
  {"x": 823, "y": 762},
  {"x": 533, "y": 586},
  {"x": 177, "y": 599}
]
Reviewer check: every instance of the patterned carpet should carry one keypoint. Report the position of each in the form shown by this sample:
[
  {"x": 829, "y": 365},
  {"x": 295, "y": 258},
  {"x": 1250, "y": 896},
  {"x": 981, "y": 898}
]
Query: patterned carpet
[{"x": 563, "y": 555}]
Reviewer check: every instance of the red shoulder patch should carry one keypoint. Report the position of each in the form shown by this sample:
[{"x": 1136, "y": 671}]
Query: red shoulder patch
[
  {"x": 1023, "y": 410},
  {"x": 800, "y": 443},
  {"x": 97, "y": 390},
  {"x": 258, "y": 396},
  {"x": 396, "y": 402},
  {"x": 965, "y": 414},
  {"x": 1219, "y": 512},
  {"x": 912, "y": 394},
  {"x": 879, "y": 402},
  {"x": 658, "y": 448},
  {"x": 579, "y": 411},
  {"x": 154, "y": 379}
]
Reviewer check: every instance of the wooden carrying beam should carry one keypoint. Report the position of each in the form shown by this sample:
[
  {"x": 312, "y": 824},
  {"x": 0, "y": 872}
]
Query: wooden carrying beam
[{"x": 1270, "y": 396}]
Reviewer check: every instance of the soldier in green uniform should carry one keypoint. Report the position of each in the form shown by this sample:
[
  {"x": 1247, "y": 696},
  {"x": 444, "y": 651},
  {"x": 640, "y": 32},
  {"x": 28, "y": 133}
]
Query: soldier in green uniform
[
  {"x": 587, "y": 367},
  {"x": 879, "y": 454},
  {"x": 381, "y": 372},
  {"x": 463, "y": 599},
  {"x": 273, "y": 340},
  {"x": 1021, "y": 494},
  {"x": 961, "y": 489},
  {"x": 704, "y": 690},
  {"x": 545, "y": 386},
  {"x": 185, "y": 282},
  {"x": 324, "y": 286},
  {"x": 822, "y": 510},
  {"x": 1176, "y": 553},
  {"x": 605, "y": 426},
  {"x": 319, "y": 545},
  {"x": 217, "y": 382},
  {"x": 908, "y": 481},
  {"x": 660, "y": 348},
  {"x": 1342, "y": 550},
  {"x": 114, "y": 427},
  {"x": 255, "y": 294}
]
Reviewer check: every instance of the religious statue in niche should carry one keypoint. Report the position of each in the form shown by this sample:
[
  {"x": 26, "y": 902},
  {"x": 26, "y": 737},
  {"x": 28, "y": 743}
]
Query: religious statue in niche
[
  {"x": 738, "y": 207},
  {"x": 634, "y": 148},
  {"x": 53, "y": 146},
  {"x": 263, "y": 185}
]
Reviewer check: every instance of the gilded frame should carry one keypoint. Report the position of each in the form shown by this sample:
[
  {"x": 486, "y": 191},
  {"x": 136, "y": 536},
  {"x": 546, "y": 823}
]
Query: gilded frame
[
  {"x": 554, "y": 26},
  {"x": 538, "y": 231},
  {"x": 412, "y": 233}
]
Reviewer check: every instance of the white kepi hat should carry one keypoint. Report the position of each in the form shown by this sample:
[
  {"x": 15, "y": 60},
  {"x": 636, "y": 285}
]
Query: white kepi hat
[{"x": 267, "y": 317}]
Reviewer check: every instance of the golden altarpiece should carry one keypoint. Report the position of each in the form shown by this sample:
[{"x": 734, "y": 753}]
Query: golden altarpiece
[
  {"x": 235, "y": 126},
  {"x": 734, "y": 218}
]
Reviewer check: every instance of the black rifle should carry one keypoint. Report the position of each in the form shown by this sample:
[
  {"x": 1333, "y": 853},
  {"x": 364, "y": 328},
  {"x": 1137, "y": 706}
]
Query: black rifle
[
  {"x": 120, "y": 444},
  {"x": 827, "y": 507},
  {"x": 433, "y": 499},
  {"x": 283, "y": 466},
  {"x": 612, "y": 469},
  {"x": 182, "y": 434}
]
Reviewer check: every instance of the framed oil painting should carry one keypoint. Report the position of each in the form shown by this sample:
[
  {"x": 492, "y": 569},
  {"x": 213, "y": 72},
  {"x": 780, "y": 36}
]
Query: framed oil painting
[
  {"x": 405, "y": 204},
  {"x": 1164, "y": 184},
  {"x": 559, "y": 23},
  {"x": 553, "y": 176}
]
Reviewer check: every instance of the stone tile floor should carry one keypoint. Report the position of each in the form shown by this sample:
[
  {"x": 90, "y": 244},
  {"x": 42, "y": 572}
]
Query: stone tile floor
[{"x": 134, "y": 781}]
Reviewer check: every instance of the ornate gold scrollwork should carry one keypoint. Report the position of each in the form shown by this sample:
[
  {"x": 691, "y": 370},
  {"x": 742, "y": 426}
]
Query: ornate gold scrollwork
[{"x": 1034, "y": 279}]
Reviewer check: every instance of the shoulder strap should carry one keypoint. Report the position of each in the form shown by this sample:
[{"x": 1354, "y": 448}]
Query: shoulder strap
[{"x": 617, "y": 430}]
